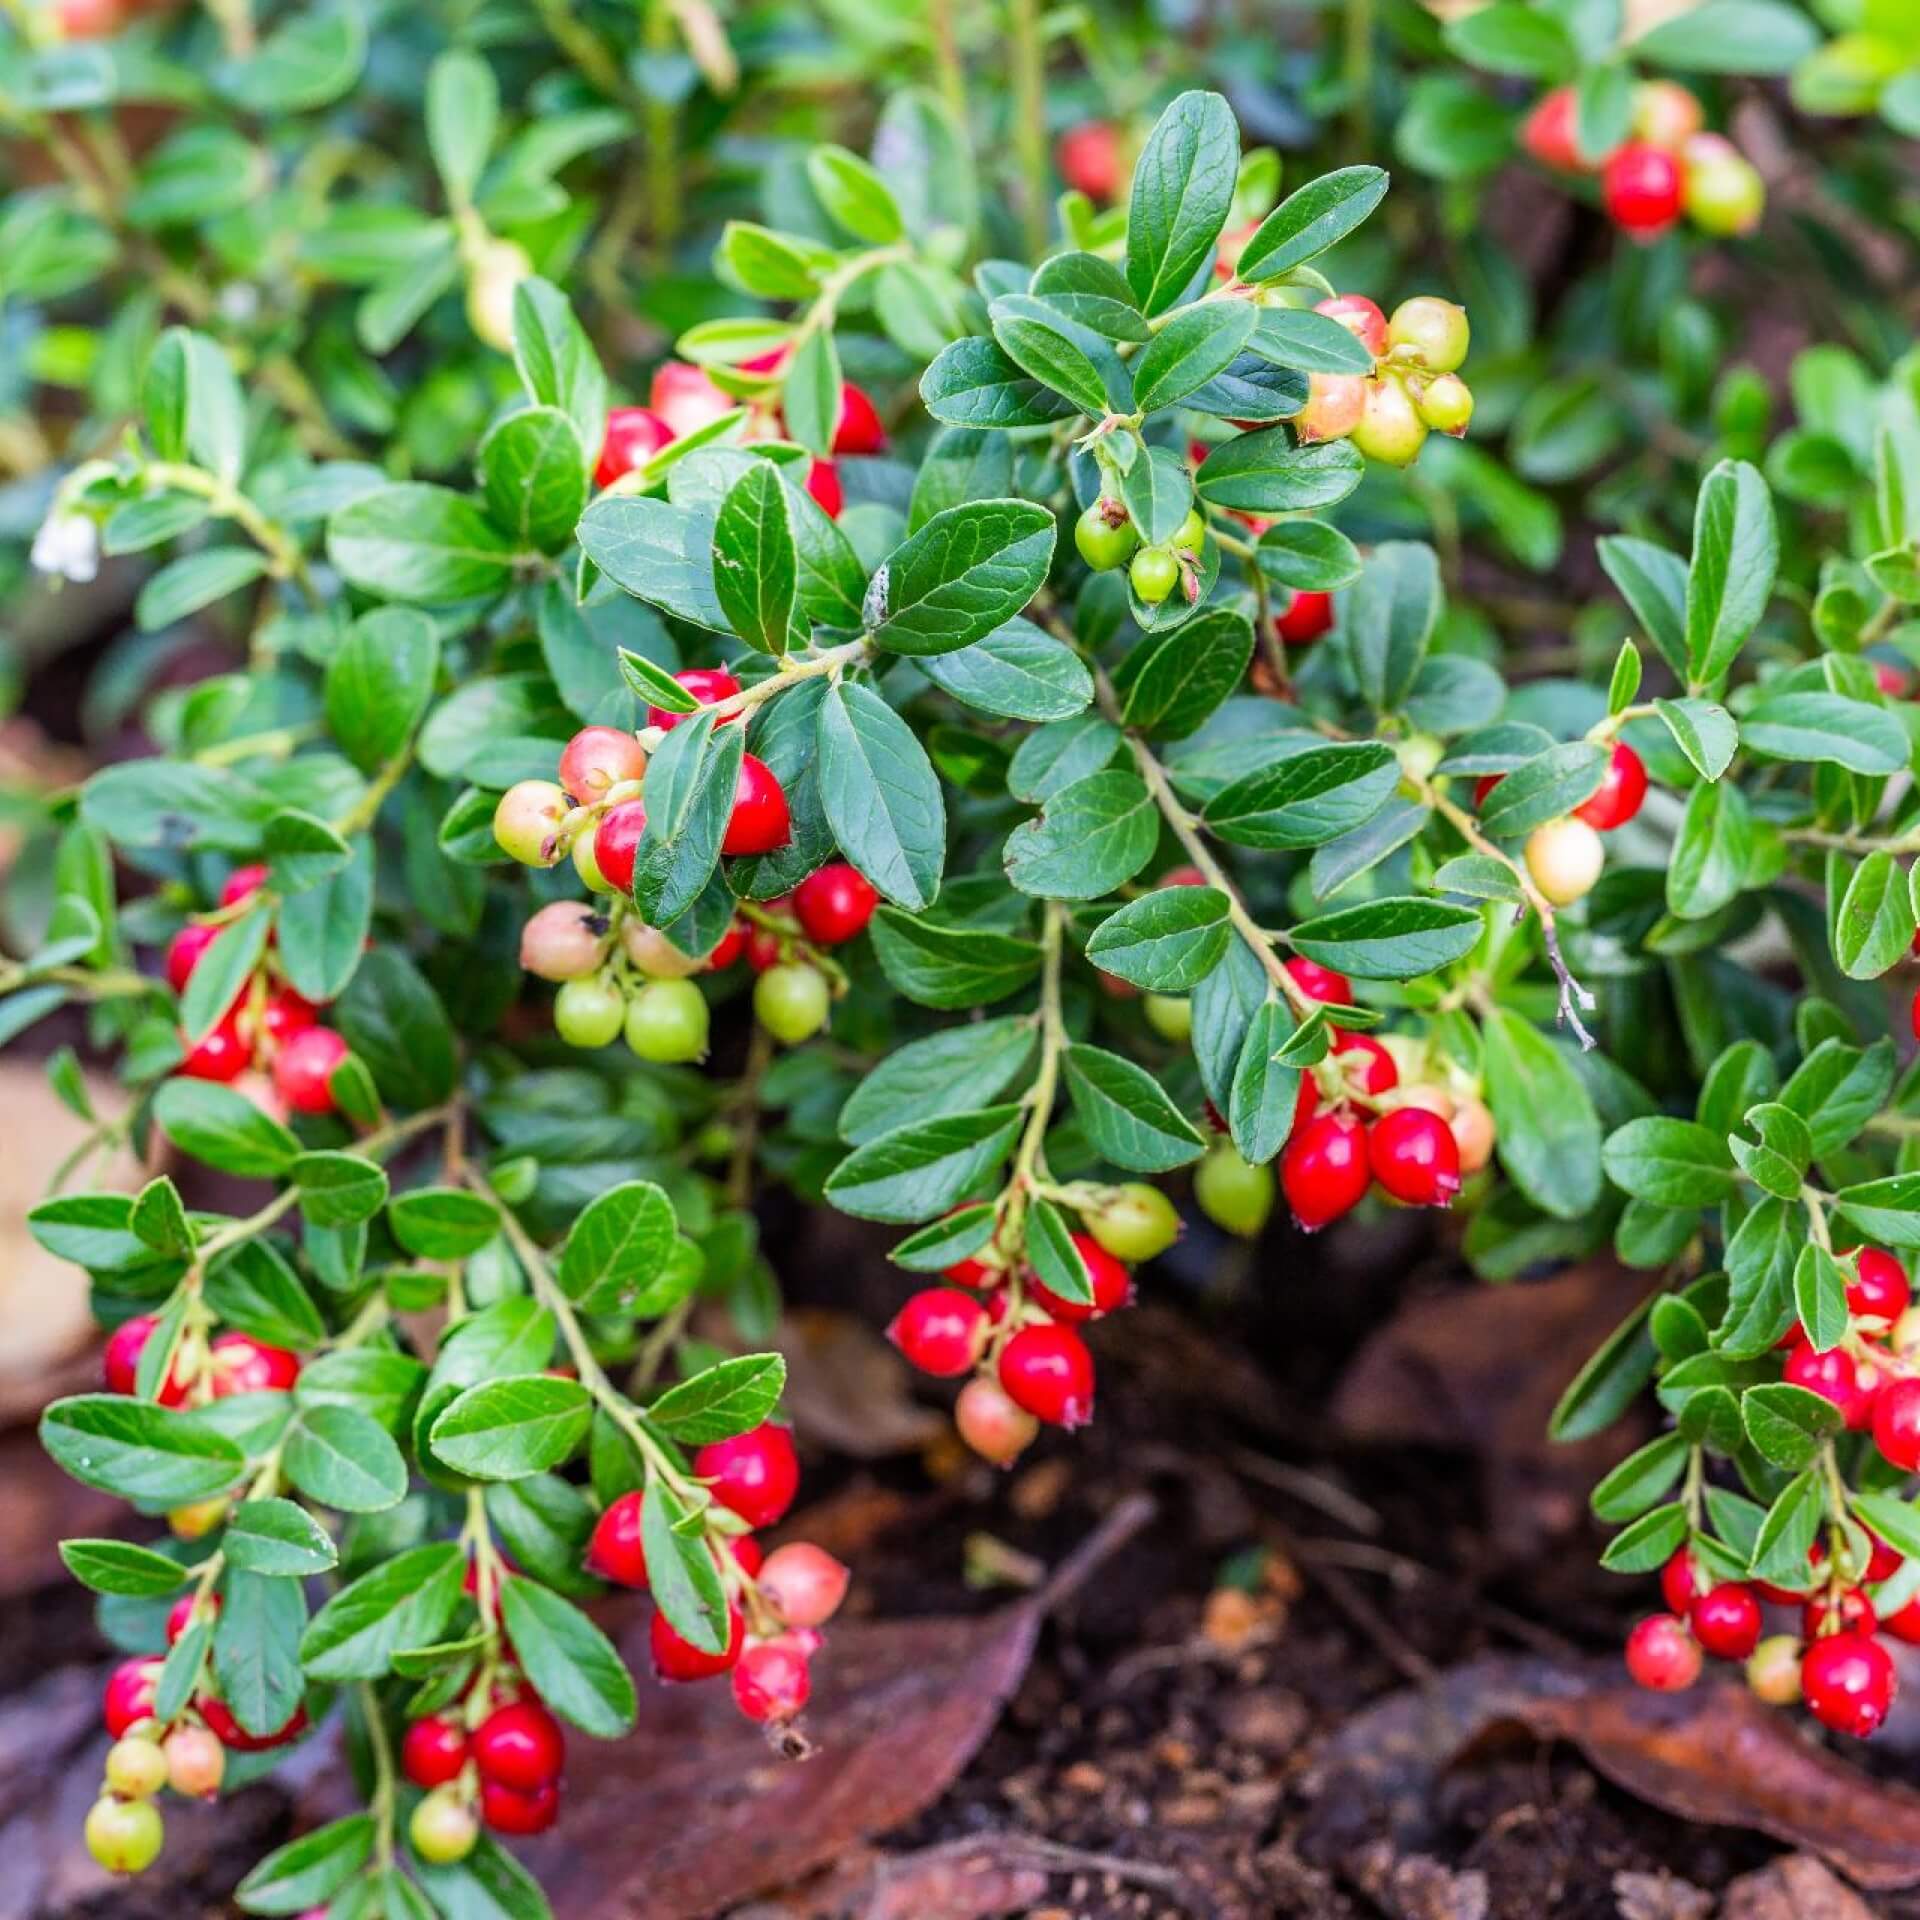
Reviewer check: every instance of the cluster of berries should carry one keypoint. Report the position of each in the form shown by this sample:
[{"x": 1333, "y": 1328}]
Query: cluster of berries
[
  {"x": 1835, "y": 1663},
  {"x": 1415, "y": 387},
  {"x": 493, "y": 1759},
  {"x": 1669, "y": 165},
  {"x": 1106, "y": 537},
  {"x": 684, "y": 398},
  {"x": 617, "y": 974},
  {"x": 1565, "y": 857},
  {"x": 776, "y": 1602},
  {"x": 268, "y": 1028}
]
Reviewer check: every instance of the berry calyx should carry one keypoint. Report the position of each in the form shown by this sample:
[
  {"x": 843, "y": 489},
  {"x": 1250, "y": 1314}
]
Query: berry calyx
[
  {"x": 519, "y": 1810},
  {"x": 792, "y": 1001},
  {"x": 1848, "y": 1682},
  {"x": 131, "y": 1688},
  {"x": 1414, "y": 1156},
  {"x": 941, "y": 1331},
  {"x": 433, "y": 1751},
  {"x": 1112, "y": 1285},
  {"x": 563, "y": 941},
  {"x": 526, "y": 822},
  {"x": 676, "y": 1659},
  {"x": 184, "y": 951},
  {"x": 1360, "y": 316},
  {"x": 992, "y": 1425},
  {"x": 1324, "y": 1171},
  {"x": 598, "y": 759},
  {"x": 1726, "y": 1620},
  {"x": 1154, "y": 573},
  {"x": 754, "y": 1474},
  {"x": 667, "y": 1023},
  {"x": 1047, "y": 1371},
  {"x": 1661, "y": 1655},
  {"x": 708, "y": 685},
  {"x": 771, "y": 1682},
  {"x": 616, "y": 843},
  {"x": 443, "y": 1829},
  {"x": 196, "y": 1762},
  {"x": 634, "y": 435},
  {"x": 760, "y": 821},
  {"x": 1640, "y": 186},
  {"x": 1304, "y": 619},
  {"x": 1896, "y": 1423},
  {"x": 804, "y": 1584},
  {"x": 1134, "y": 1221},
  {"x": 1622, "y": 791},
  {"x": 1232, "y": 1192},
  {"x": 834, "y": 903},
  {"x": 125, "y": 1836},
  {"x": 519, "y": 1745},
  {"x": 1564, "y": 858},
  {"x": 303, "y": 1069},
  {"x": 1103, "y": 541},
  {"x": 1434, "y": 331},
  {"x": 589, "y": 1013},
  {"x": 136, "y": 1769},
  {"x": 615, "y": 1551}
]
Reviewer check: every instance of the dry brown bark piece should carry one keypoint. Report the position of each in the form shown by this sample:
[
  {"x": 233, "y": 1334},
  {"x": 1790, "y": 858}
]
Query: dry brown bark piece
[{"x": 1793, "y": 1888}]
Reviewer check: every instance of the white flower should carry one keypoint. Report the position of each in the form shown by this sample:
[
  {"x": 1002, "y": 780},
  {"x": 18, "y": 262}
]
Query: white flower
[{"x": 68, "y": 544}]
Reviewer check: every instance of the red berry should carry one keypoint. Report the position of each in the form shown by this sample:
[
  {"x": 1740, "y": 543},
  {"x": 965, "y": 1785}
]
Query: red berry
[
  {"x": 1320, "y": 983},
  {"x": 1484, "y": 786},
  {"x": 1306, "y": 618},
  {"x": 219, "y": 1718},
  {"x": 1726, "y": 1620},
  {"x": 520, "y": 1745},
  {"x": 1681, "y": 1581},
  {"x": 770, "y": 1681},
  {"x": 1642, "y": 188},
  {"x": 1851, "y": 1385},
  {"x": 507, "y": 1809},
  {"x": 858, "y": 430},
  {"x": 616, "y": 843},
  {"x": 130, "y": 1693},
  {"x": 1896, "y": 1423},
  {"x": 599, "y": 758},
  {"x": 303, "y": 1069},
  {"x": 1904, "y": 1625},
  {"x": 184, "y": 951},
  {"x": 222, "y": 1055},
  {"x": 1913, "y": 1016},
  {"x": 1882, "y": 1290},
  {"x": 1548, "y": 132},
  {"x": 285, "y": 1014},
  {"x": 1848, "y": 1683},
  {"x": 1846, "y": 1611},
  {"x": 634, "y": 435},
  {"x": 755, "y": 1473},
  {"x": 1622, "y": 789},
  {"x": 120, "y": 1363},
  {"x": 186, "y": 1610},
  {"x": 1414, "y": 1156},
  {"x": 708, "y": 685},
  {"x": 241, "y": 1364},
  {"x": 615, "y": 1552},
  {"x": 1364, "y": 1064},
  {"x": 1661, "y": 1655},
  {"x": 732, "y": 944},
  {"x": 1323, "y": 1171},
  {"x": 1363, "y": 319},
  {"x": 433, "y": 1751},
  {"x": 760, "y": 822},
  {"x": 1047, "y": 1371},
  {"x": 941, "y": 1331},
  {"x": 763, "y": 949},
  {"x": 748, "y": 1554},
  {"x": 1112, "y": 1285},
  {"x": 242, "y": 883},
  {"x": 804, "y": 1584},
  {"x": 1088, "y": 157},
  {"x": 823, "y": 482},
  {"x": 685, "y": 398},
  {"x": 675, "y": 1659},
  {"x": 834, "y": 904}
]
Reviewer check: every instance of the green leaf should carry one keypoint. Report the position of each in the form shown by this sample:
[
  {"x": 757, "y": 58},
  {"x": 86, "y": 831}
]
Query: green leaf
[
  {"x": 139, "y": 1451},
  {"x": 573, "y": 1666},
  {"x": 1091, "y": 292},
  {"x": 556, "y": 360},
  {"x": 1126, "y": 1113},
  {"x": 443, "y": 1223},
  {"x": 755, "y": 561},
  {"x": 1609, "y": 1382},
  {"x": 309, "y": 1871},
  {"x": 1886, "y": 1211},
  {"x": 681, "y": 1572},
  {"x": 1650, "y": 1542},
  {"x": 279, "y": 1538},
  {"x": 1308, "y": 221},
  {"x": 489, "y": 1884},
  {"x": 1264, "y": 1097},
  {"x": 1039, "y": 342},
  {"x": 1182, "y": 192},
  {"x": 339, "y": 1189},
  {"x": 661, "y": 552},
  {"x": 1644, "y": 1477},
  {"x": 881, "y": 795},
  {"x": 943, "y": 1072},
  {"x": 1197, "y": 344},
  {"x": 394, "y": 1021},
  {"x": 1158, "y": 494},
  {"x": 1389, "y": 618},
  {"x": 1653, "y": 582},
  {"x": 193, "y": 403},
  {"x": 722, "y": 1400},
  {"x": 1307, "y": 556},
  {"x": 93, "y": 1230},
  {"x": 1787, "y": 1424},
  {"x": 1544, "y": 789},
  {"x": 1548, "y": 1132},
  {"x": 533, "y": 470},
  {"x": 691, "y": 783},
  {"x": 404, "y": 1602},
  {"x": 621, "y": 1242},
  {"x": 1669, "y": 1163},
  {"x": 420, "y": 543},
  {"x": 1392, "y": 939},
  {"x": 1266, "y": 473},
  {"x": 1018, "y": 673},
  {"x": 159, "y": 1219},
  {"x": 1736, "y": 551},
  {"x": 254, "y": 1290},
  {"x": 1826, "y": 727},
  {"x": 256, "y": 1649},
  {"x": 508, "y": 1429},
  {"x": 193, "y": 581},
  {"x": 1820, "y": 1297},
  {"x": 1514, "y": 39},
  {"x": 913, "y": 1172},
  {"x": 855, "y": 194},
  {"x": 119, "y": 1567},
  {"x": 963, "y": 575},
  {"x": 949, "y": 967},
  {"x": 1732, "y": 36},
  {"x": 972, "y": 383},
  {"x": 224, "y": 1128},
  {"x": 1874, "y": 923},
  {"x": 1167, "y": 941},
  {"x": 1309, "y": 342},
  {"x": 1306, "y": 799},
  {"x": 1837, "y": 1089},
  {"x": 1785, "y": 1536},
  {"x": 1709, "y": 860},
  {"x": 341, "y": 1458},
  {"x": 1090, "y": 838},
  {"x": 1702, "y": 731},
  {"x": 1174, "y": 681},
  {"x": 323, "y": 930}
]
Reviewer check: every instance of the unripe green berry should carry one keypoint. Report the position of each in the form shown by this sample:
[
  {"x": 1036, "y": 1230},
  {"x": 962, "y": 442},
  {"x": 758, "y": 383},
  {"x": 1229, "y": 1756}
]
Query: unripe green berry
[
  {"x": 497, "y": 268},
  {"x": 1445, "y": 404},
  {"x": 1102, "y": 544},
  {"x": 1435, "y": 331},
  {"x": 1170, "y": 1015},
  {"x": 1192, "y": 534},
  {"x": 792, "y": 1002},
  {"x": 1134, "y": 1222},
  {"x": 1154, "y": 573},
  {"x": 667, "y": 1022},
  {"x": 136, "y": 1769},
  {"x": 526, "y": 820},
  {"x": 1390, "y": 430},
  {"x": 1773, "y": 1670},
  {"x": 1722, "y": 190},
  {"x": 1232, "y": 1192},
  {"x": 1419, "y": 754},
  {"x": 1564, "y": 858},
  {"x": 589, "y": 1013},
  {"x": 443, "y": 1828},
  {"x": 125, "y": 1836},
  {"x": 587, "y": 866}
]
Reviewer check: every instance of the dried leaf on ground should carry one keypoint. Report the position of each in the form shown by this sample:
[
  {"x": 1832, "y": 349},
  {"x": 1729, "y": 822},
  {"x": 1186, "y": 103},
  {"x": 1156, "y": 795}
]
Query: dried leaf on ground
[
  {"x": 1793, "y": 1888},
  {"x": 1659, "y": 1896}
]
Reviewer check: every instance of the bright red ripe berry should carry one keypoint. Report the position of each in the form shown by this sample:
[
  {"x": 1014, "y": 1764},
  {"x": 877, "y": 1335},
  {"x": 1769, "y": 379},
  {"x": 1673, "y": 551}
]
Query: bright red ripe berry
[
  {"x": 241, "y": 1364},
  {"x": 1846, "y": 1611},
  {"x": 685, "y": 398},
  {"x": 1896, "y": 1423},
  {"x": 732, "y": 945},
  {"x": 1904, "y": 1625},
  {"x": 597, "y": 759},
  {"x": 858, "y": 430},
  {"x": 1852, "y": 1385},
  {"x": 1414, "y": 1156},
  {"x": 1913, "y": 1016},
  {"x": 1882, "y": 1290},
  {"x": 1364, "y": 1064},
  {"x": 1548, "y": 132},
  {"x": 823, "y": 482},
  {"x": 1320, "y": 983},
  {"x": 285, "y": 1014},
  {"x": 1048, "y": 1372},
  {"x": 520, "y": 1745},
  {"x": 804, "y": 1584},
  {"x": 242, "y": 882},
  {"x": 675, "y": 1659},
  {"x": 186, "y": 1610},
  {"x": 1363, "y": 319},
  {"x": 755, "y": 1473},
  {"x": 770, "y": 1681},
  {"x": 763, "y": 949},
  {"x": 1848, "y": 1682},
  {"x": 1324, "y": 1171},
  {"x": 120, "y": 1363},
  {"x": 834, "y": 904},
  {"x": 433, "y": 1751},
  {"x": 130, "y": 1693},
  {"x": 708, "y": 685},
  {"x": 1642, "y": 188},
  {"x": 1661, "y": 1655},
  {"x": 1112, "y": 1285},
  {"x": 184, "y": 951},
  {"x": 1681, "y": 1581},
  {"x": 1622, "y": 790},
  {"x": 634, "y": 436},
  {"x": 1088, "y": 157},
  {"x": 222, "y": 1055},
  {"x": 760, "y": 822},
  {"x": 1726, "y": 1620},
  {"x": 616, "y": 843},
  {"x": 303, "y": 1069},
  {"x": 1306, "y": 618},
  {"x": 941, "y": 1331},
  {"x": 512, "y": 1810},
  {"x": 615, "y": 1552},
  {"x": 220, "y": 1721},
  {"x": 748, "y": 1554}
]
